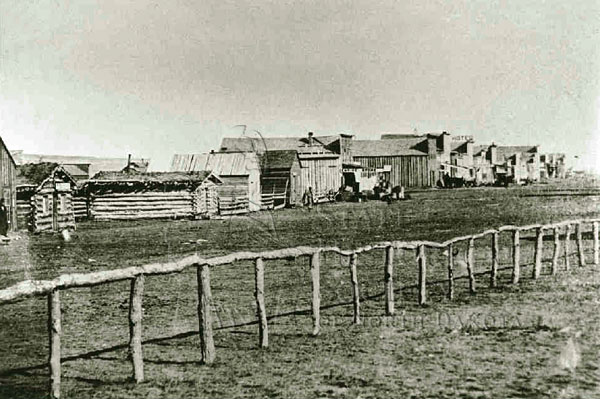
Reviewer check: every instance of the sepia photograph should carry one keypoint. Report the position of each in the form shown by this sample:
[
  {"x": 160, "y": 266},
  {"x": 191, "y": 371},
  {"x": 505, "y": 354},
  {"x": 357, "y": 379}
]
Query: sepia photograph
[{"x": 299, "y": 199}]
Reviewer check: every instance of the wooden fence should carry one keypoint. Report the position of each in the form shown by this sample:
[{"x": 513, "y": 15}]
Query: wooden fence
[{"x": 52, "y": 288}]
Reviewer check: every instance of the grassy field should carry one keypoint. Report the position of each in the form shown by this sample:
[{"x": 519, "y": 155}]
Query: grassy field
[{"x": 503, "y": 342}]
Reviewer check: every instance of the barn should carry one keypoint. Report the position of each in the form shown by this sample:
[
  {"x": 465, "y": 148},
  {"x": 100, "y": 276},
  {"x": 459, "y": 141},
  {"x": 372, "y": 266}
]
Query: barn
[
  {"x": 280, "y": 179},
  {"x": 152, "y": 195},
  {"x": 319, "y": 156},
  {"x": 45, "y": 197},
  {"x": 240, "y": 175},
  {"x": 8, "y": 185}
]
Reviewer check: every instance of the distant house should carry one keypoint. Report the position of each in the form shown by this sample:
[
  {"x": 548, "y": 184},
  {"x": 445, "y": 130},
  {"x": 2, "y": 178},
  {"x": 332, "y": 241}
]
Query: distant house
[
  {"x": 129, "y": 196},
  {"x": 553, "y": 166},
  {"x": 517, "y": 163},
  {"x": 8, "y": 186},
  {"x": 484, "y": 161},
  {"x": 239, "y": 172},
  {"x": 280, "y": 178},
  {"x": 82, "y": 167},
  {"x": 321, "y": 158},
  {"x": 45, "y": 197}
]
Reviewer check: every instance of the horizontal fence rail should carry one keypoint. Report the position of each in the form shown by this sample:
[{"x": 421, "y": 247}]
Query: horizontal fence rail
[{"x": 51, "y": 288}]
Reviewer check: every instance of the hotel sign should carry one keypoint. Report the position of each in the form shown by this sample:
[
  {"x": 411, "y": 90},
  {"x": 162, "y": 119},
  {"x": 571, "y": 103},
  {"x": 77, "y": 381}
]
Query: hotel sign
[{"x": 462, "y": 138}]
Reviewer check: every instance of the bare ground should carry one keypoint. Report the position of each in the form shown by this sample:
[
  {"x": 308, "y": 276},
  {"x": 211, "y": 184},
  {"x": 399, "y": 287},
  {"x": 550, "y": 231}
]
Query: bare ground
[{"x": 504, "y": 342}]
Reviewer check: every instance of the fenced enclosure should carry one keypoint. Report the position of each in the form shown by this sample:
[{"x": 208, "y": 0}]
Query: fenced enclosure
[{"x": 316, "y": 274}]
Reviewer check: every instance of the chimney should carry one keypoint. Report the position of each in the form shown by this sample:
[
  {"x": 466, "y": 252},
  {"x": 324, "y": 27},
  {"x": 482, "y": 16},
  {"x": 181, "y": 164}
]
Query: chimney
[
  {"x": 128, "y": 163},
  {"x": 310, "y": 139},
  {"x": 493, "y": 153}
]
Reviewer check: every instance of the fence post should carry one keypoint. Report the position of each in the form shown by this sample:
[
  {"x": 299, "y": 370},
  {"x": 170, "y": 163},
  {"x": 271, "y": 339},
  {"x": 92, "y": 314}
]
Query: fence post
[
  {"x": 596, "y": 243},
  {"x": 539, "y": 248},
  {"x": 422, "y": 264},
  {"x": 54, "y": 332},
  {"x": 389, "y": 280},
  {"x": 207, "y": 343},
  {"x": 259, "y": 274},
  {"x": 580, "y": 245},
  {"x": 355, "y": 293},
  {"x": 556, "y": 252},
  {"x": 136, "y": 294},
  {"x": 568, "y": 247},
  {"x": 471, "y": 265},
  {"x": 494, "y": 272},
  {"x": 516, "y": 272},
  {"x": 450, "y": 271},
  {"x": 315, "y": 265}
]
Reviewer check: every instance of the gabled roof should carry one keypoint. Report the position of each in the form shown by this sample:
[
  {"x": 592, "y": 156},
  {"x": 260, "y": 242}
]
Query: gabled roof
[
  {"x": 479, "y": 148},
  {"x": 221, "y": 163},
  {"x": 260, "y": 145},
  {"x": 279, "y": 159},
  {"x": 78, "y": 170},
  {"x": 59, "y": 170},
  {"x": 387, "y": 147}
]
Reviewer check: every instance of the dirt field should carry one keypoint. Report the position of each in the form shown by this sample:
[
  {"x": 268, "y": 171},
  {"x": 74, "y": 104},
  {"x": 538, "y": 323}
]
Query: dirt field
[{"x": 504, "y": 342}]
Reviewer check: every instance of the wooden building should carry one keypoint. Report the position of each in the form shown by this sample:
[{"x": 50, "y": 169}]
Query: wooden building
[
  {"x": 320, "y": 158},
  {"x": 239, "y": 172},
  {"x": 553, "y": 166},
  {"x": 519, "y": 164},
  {"x": 406, "y": 162},
  {"x": 8, "y": 186},
  {"x": 45, "y": 197},
  {"x": 131, "y": 196},
  {"x": 280, "y": 179},
  {"x": 447, "y": 154}
]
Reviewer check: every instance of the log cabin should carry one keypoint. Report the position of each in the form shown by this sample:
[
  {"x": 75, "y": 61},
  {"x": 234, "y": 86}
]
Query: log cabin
[
  {"x": 152, "y": 195},
  {"x": 45, "y": 197}
]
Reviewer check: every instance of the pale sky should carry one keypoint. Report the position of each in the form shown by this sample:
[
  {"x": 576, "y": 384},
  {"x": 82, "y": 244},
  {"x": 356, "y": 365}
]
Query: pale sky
[{"x": 154, "y": 78}]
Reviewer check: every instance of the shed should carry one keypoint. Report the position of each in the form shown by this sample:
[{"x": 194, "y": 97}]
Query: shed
[
  {"x": 130, "y": 196},
  {"x": 280, "y": 179},
  {"x": 239, "y": 171},
  {"x": 45, "y": 197}
]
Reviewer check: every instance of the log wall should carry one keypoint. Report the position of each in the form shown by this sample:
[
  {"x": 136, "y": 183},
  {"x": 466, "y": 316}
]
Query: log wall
[{"x": 147, "y": 205}]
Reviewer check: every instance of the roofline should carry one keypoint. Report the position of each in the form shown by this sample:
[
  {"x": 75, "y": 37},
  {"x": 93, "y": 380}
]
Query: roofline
[
  {"x": 8, "y": 151},
  {"x": 52, "y": 173}
]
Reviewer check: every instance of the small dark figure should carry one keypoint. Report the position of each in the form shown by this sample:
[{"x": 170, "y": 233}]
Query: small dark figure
[
  {"x": 3, "y": 218},
  {"x": 308, "y": 198}
]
